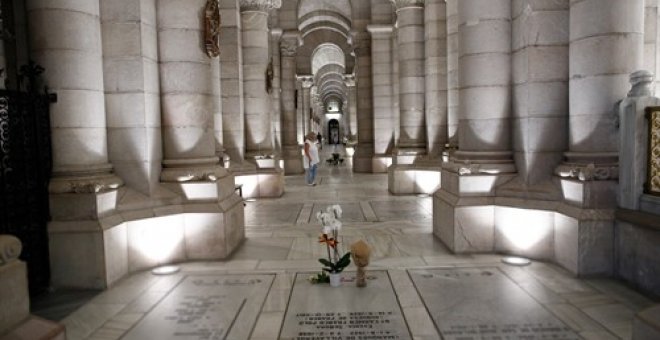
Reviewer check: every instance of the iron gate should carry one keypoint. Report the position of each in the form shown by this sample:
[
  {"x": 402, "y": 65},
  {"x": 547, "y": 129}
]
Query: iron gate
[{"x": 25, "y": 166}]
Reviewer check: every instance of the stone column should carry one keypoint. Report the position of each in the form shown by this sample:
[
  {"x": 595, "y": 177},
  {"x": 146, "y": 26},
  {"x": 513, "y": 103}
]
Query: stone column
[
  {"x": 290, "y": 147},
  {"x": 254, "y": 31},
  {"x": 362, "y": 160},
  {"x": 595, "y": 85},
  {"x": 65, "y": 39},
  {"x": 231, "y": 80},
  {"x": 410, "y": 23},
  {"x": 540, "y": 89},
  {"x": 652, "y": 40},
  {"x": 275, "y": 93},
  {"x": 300, "y": 130},
  {"x": 381, "y": 47},
  {"x": 351, "y": 115},
  {"x": 485, "y": 86},
  {"x": 452, "y": 73},
  {"x": 396, "y": 108},
  {"x": 435, "y": 36},
  {"x": 132, "y": 100},
  {"x": 187, "y": 84},
  {"x": 306, "y": 85}
]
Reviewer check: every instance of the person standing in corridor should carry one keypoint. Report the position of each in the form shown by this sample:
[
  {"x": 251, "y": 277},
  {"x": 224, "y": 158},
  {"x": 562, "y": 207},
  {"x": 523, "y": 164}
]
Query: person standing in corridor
[{"x": 311, "y": 158}]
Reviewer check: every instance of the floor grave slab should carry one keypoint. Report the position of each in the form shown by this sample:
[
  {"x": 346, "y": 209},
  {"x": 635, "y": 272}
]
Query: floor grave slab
[
  {"x": 321, "y": 312},
  {"x": 350, "y": 212},
  {"x": 201, "y": 307},
  {"x": 483, "y": 303}
]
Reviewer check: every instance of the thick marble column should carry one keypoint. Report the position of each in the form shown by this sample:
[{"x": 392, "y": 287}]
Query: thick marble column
[
  {"x": 276, "y": 89},
  {"x": 452, "y": 73},
  {"x": 652, "y": 40},
  {"x": 231, "y": 80},
  {"x": 362, "y": 160},
  {"x": 595, "y": 85},
  {"x": 351, "y": 108},
  {"x": 306, "y": 83},
  {"x": 300, "y": 130},
  {"x": 65, "y": 39},
  {"x": 485, "y": 85},
  {"x": 396, "y": 108},
  {"x": 132, "y": 100},
  {"x": 255, "y": 36},
  {"x": 381, "y": 48},
  {"x": 435, "y": 103},
  {"x": 410, "y": 24},
  {"x": 290, "y": 147},
  {"x": 187, "y": 84}
]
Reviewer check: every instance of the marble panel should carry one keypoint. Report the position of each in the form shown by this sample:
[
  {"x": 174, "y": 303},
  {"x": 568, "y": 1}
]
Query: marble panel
[
  {"x": 400, "y": 210},
  {"x": 206, "y": 307},
  {"x": 317, "y": 311},
  {"x": 350, "y": 212},
  {"x": 478, "y": 303},
  {"x": 271, "y": 214}
]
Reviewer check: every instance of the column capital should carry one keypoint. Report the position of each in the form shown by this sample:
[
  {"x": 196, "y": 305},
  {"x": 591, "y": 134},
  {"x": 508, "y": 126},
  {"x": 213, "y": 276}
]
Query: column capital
[
  {"x": 306, "y": 81},
  {"x": 290, "y": 42},
  {"x": 349, "y": 80},
  {"x": 381, "y": 31},
  {"x": 400, "y": 4},
  {"x": 361, "y": 42},
  {"x": 259, "y": 5}
]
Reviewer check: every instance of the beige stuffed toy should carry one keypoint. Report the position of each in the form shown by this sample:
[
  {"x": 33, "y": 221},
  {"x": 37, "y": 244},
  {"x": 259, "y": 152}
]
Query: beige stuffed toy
[{"x": 360, "y": 252}]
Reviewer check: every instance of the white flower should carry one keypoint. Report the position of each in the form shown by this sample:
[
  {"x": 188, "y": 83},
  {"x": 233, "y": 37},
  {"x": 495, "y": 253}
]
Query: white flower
[
  {"x": 337, "y": 210},
  {"x": 327, "y": 229},
  {"x": 336, "y": 225}
]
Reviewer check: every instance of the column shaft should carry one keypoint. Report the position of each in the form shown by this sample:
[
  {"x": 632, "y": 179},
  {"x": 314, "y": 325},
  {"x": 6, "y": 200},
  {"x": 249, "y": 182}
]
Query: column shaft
[
  {"x": 485, "y": 80},
  {"x": 290, "y": 148},
  {"x": 275, "y": 93},
  {"x": 362, "y": 161},
  {"x": 452, "y": 73},
  {"x": 351, "y": 116},
  {"x": 435, "y": 36},
  {"x": 65, "y": 38},
  {"x": 187, "y": 83},
  {"x": 601, "y": 27},
  {"x": 381, "y": 48},
  {"x": 410, "y": 23},
  {"x": 652, "y": 40},
  {"x": 258, "y": 130},
  {"x": 306, "y": 104},
  {"x": 231, "y": 79}
]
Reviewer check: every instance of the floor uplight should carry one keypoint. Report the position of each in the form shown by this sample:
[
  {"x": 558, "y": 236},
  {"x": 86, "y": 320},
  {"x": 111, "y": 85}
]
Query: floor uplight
[
  {"x": 516, "y": 261},
  {"x": 165, "y": 270}
]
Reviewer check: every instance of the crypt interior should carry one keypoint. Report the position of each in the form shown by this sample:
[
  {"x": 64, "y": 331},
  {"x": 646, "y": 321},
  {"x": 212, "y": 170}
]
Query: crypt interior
[{"x": 455, "y": 136}]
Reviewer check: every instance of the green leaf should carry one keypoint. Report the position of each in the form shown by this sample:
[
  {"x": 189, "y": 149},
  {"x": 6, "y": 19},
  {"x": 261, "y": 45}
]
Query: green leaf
[{"x": 326, "y": 263}]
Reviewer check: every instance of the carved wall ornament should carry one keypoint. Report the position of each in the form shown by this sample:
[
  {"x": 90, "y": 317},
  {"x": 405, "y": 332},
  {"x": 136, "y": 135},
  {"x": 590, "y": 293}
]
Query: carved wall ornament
[
  {"x": 289, "y": 46},
  {"x": 653, "y": 154},
  {"x": 212, "y": 28}
]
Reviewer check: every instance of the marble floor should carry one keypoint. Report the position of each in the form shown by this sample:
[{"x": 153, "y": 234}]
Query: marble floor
[{"x": 419, "y": 287}]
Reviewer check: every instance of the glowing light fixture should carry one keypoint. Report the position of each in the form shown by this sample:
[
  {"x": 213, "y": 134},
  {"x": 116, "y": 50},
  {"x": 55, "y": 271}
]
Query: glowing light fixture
[
  {"x": 423, "y": 195},
  {"x": 516, "y": 261},
  {"x": 165, "y": 270},
  {"x": 250, "y": 200}
]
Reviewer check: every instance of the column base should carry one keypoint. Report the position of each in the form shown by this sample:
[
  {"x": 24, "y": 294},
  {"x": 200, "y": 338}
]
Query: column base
[
  {"x": 14, "y": 298},
  {"x": 468, "y": 217},
  {"x": 363, "y": 158},
  {"x": 292, "y": 157},
  {"x": 98, "y": 238},
  {"x": 407, "y": 156},
  {"x": 413, "y": 179},
  {"x": 192, "y": 169},
  {"x": 80, "y": 180},
  {"x": 380, "y": 163}
]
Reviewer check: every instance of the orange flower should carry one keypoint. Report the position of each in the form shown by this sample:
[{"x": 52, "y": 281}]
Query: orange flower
[{"x": 328, "y": 240}]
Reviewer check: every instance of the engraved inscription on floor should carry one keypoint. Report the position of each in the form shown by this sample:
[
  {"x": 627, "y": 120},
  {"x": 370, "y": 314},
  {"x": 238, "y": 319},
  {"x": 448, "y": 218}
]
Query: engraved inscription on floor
[
  {"x": 483, "y": 303},
  {"x": 206, "y": 308},
  {"x": 321, "y": 312}
]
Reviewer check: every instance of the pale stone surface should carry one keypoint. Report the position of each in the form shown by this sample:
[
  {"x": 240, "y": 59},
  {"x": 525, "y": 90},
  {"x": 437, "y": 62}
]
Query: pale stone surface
[
  {"x": 15, "y": 302},
  {"x": 436, "y": 63}
]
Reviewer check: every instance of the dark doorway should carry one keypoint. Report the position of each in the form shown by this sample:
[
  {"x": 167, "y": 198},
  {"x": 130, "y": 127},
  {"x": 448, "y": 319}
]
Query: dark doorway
[
  {"x": 333, "y": 131},
  {"x": 25, "y": 166}
]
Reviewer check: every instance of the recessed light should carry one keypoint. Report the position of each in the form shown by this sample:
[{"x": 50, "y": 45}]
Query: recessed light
[
  {"x": 516, "y": 261},
  {"x": 165, "y": 270}
]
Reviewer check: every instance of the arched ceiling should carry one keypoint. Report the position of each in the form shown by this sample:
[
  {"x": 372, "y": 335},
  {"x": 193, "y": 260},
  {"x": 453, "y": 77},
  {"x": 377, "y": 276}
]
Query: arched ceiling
[{"x": 326, "y": 52}]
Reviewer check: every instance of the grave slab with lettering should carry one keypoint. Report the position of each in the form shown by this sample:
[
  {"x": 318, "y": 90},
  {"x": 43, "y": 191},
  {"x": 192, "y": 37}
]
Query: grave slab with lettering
[
  {"x": 483, "y": 303},
  {"x": 321, "y": 312},
  {"x": 206, "y": 308}
]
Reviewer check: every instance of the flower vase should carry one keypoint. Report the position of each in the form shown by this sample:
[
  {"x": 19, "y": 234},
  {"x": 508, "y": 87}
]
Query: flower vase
[{"x": 335, "y": 279}]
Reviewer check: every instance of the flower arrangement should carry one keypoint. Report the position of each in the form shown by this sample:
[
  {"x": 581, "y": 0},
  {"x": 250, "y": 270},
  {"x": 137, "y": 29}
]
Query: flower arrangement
[{"x": 335, "y": 263}]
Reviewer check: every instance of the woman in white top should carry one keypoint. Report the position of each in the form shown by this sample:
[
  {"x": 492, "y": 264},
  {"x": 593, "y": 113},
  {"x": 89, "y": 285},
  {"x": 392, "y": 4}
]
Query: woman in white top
[{"x": 311, "y": 158}]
